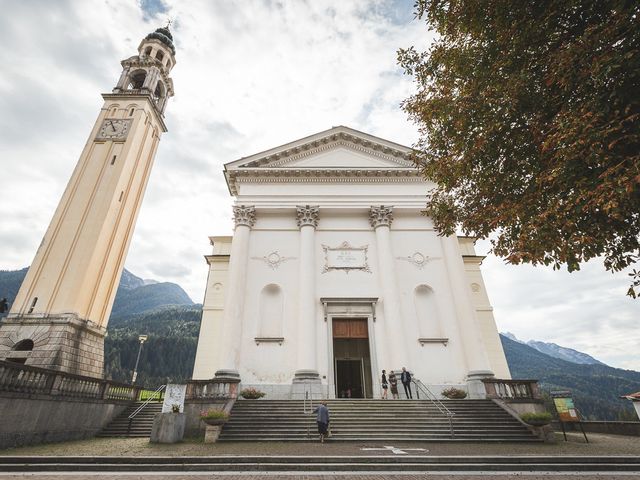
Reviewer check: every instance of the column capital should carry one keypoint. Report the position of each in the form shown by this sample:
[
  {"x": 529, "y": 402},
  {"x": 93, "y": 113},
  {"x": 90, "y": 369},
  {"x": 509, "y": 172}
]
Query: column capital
[
  {"x": 308, "y": 215},
  {"x": 380, "y": 216},
  {"x": 244, "y": 215}
]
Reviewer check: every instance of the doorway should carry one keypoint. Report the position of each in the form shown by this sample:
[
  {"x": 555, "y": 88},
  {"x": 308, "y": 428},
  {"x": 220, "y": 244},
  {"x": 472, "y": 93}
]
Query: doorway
[{"x": 352, "y": 360}]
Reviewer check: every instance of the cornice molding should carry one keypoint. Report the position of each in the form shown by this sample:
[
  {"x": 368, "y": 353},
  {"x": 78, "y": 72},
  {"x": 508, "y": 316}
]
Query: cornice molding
[{"x": 236, "y": 177}]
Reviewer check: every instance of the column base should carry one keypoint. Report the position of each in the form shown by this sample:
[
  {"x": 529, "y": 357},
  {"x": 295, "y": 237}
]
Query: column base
[
  {"x": 475, "y": 387},
  {"x": 306, "y": 376},
  {"x": 307, "y": 385},
  {"x": 227, "y": 374}
]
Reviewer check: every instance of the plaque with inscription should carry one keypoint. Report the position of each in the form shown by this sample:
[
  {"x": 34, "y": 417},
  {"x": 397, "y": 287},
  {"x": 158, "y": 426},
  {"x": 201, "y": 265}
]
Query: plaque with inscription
[
  {"x": 345, "y": 257},
  {"x": 174, "y": 395}
]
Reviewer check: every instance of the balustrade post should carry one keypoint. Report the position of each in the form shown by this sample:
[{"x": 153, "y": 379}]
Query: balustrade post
[
  {"x": 490, "y": 389},
  {"x": 56, "y": 384},
  {"x": 535, "y": 390}
]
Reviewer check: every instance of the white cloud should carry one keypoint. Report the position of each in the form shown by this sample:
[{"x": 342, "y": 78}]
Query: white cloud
[{"x": 250, "y": 75}]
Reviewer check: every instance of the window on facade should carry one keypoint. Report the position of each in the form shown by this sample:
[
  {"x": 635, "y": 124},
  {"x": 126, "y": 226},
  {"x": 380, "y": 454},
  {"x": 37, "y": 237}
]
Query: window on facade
[{"x": 159, "y": 55}]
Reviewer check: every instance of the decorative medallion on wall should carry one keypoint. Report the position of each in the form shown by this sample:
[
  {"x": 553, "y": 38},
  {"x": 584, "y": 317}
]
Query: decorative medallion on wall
[
  {"x": 418, "y": 259},
  {"x": 274, "y": 259},
  {"x": 345, "y": 257}
]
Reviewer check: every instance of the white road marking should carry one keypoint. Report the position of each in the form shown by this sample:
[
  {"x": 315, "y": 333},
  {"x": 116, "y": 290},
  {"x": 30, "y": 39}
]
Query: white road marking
[{"x": 397, "y": 451}]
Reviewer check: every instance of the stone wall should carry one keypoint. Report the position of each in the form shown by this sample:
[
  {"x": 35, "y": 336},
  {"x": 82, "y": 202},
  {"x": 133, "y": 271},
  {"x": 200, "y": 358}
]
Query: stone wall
[
  {"x": 63, "y": 343},
  {"x": 33, "y": 419}
]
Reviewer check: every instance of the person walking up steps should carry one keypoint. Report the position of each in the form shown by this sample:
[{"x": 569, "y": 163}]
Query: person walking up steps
[
  {"x": 322, "y": 420},
  {"x": 385, "y": 385},
  {"x": 405, "y": 378},
  {"x": 393, "y": 383}
]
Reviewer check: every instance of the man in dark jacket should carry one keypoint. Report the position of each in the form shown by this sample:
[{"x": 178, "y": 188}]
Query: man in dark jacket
[{"x": 405, "y": 378}]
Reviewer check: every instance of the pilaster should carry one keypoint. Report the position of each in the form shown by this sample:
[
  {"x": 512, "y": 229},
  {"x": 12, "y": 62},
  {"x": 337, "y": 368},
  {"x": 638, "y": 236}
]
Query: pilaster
[
  {"x": 307, "y": 370},
  {"x": 380, "y": 218},
  {"x": 244, "y": 218}
]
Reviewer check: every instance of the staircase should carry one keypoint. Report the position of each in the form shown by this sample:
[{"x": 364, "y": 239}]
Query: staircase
[
  {"x": 140, "y": 426},
  {"x": 374, "y": 420}
]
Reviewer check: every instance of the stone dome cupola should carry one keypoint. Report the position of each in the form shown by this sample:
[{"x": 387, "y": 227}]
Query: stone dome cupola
[{"x": 148, "y": 72}]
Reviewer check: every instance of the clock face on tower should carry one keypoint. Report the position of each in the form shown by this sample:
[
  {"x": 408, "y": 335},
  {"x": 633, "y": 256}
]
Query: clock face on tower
[{"x": 114, "y": 129}]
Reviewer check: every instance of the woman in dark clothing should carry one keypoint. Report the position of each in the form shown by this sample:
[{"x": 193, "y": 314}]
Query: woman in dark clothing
[
  {"x": 385, "y": 385},
  {"x": 322, "y": 420}
]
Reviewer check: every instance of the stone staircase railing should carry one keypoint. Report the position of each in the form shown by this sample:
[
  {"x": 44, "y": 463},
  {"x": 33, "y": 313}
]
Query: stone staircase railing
[
  {"x": 18, "y": 378},
  {"x": 512, "y": 389}
]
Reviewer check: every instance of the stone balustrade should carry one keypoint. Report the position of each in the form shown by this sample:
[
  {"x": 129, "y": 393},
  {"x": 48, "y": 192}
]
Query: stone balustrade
[
  {"x": 215, "y": 389},
  {"x": 18, "y": 378},
  {"x": 512, "y": 389}
]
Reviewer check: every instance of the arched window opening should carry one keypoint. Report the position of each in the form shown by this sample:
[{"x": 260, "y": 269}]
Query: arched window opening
[
  {"x": 159, "y": 93},
  {"x": 131, "y": 112},
  {"x": 25, "y": 345},
  {"x": 136, "y": 81},
  {"x": 147, "y": 52},
  {"x": 159, "y": 55},
  {"x": 271, "y": 312},
  {"x": 427, "y": 312}
]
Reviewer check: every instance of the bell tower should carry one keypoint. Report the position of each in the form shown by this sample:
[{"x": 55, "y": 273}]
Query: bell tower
[{"x": 59, "y": 317}]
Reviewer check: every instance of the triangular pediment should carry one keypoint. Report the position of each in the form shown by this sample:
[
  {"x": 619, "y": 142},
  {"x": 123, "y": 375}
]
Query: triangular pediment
[
  {"x": 339, "y": 152},
  {"x": 339, "y": 147}
]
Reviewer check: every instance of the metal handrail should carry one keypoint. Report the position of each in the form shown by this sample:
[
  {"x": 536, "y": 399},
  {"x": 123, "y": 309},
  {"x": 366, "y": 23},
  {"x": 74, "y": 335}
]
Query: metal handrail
[
  {"x": 434, "y": 401},
  {"x": 147, "y": 402},
  {"x": 307, "y": 396}
]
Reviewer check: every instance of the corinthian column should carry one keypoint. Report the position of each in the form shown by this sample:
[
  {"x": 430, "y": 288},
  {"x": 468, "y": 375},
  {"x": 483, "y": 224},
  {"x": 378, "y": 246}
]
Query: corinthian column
[
  {"x": 244, "y": 218},
  {"x": 307, "y": 370},
  {"x": 380, "y": 219}
]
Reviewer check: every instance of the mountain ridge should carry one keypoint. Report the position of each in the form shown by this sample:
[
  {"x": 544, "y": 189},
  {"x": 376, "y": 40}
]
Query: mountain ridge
[{"x": 557, "y": 351}]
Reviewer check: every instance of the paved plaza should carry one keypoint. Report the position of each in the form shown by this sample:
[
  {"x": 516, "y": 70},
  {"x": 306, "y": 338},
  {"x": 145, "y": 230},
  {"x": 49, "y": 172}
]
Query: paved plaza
[{"x": 600, "y": 444}]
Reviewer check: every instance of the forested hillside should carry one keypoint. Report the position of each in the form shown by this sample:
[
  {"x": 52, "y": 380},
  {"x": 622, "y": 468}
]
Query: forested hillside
[
  {"x": 169, "y": 352},
  {"x": 595, "y": 387}
]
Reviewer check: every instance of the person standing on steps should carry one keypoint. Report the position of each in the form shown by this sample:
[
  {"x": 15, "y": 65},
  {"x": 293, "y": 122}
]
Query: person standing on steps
[
  {"x": 322, "y": 419},
  {"x": 393, "y": 383},
  {"x": 385, "y": 384},
  {"x": 405, "y": 378}
]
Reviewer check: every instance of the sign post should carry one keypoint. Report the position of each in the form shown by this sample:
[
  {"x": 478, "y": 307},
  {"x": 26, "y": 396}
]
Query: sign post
[{"x": 567, "y": 411}]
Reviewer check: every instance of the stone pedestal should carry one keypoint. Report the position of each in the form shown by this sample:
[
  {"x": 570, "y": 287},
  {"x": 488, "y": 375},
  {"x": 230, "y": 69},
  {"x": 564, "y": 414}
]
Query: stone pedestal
[
  {"x": 475, "y": 387},
  {"x": 60, "y": 342},
  {"x": 307, "y": 384},
  {"x": 168, "y": 427},
  {"x": 211, "y": 433}
]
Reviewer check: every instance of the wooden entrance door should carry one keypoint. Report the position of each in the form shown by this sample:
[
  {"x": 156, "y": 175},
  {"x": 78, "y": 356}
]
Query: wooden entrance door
[{"x": 350, "y": 328}]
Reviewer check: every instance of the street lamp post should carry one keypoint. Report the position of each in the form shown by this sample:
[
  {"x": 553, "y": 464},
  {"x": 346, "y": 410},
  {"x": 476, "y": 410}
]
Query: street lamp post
[{"x": 142, "y": 339}]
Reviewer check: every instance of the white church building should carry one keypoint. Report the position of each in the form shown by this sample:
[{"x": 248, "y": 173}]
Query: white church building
[{"x": 334, "y": 274}]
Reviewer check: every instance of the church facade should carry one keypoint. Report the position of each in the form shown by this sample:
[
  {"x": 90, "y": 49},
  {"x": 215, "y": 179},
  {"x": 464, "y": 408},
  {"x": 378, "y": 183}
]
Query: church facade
[{"x": 334, "y": 274}]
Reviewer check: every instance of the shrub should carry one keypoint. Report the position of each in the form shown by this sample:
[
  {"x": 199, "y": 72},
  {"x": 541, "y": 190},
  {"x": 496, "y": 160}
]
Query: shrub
[
  {"x": 175, "y": 408},
  {"x": 536, "y": 418},
  {"x": 214, "y": 414},
  {"x": 252, "y": 393},
  {"x": 454, "y": 393}
]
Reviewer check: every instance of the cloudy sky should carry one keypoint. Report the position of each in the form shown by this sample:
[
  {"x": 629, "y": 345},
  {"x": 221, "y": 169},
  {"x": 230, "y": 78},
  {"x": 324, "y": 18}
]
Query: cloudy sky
[{"x": 250, "y": 75}]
